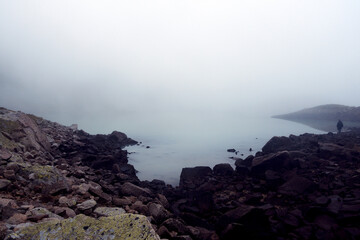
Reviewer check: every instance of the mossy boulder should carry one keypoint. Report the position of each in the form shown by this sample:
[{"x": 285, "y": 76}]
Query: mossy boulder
[
  {"x": 124, "y": 226},
  {"x": 47, "y": 178}
]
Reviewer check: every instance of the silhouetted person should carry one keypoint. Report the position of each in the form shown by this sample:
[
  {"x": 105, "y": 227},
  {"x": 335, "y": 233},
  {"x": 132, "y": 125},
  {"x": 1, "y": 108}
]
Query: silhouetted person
[{"x": 339, "y": 126}]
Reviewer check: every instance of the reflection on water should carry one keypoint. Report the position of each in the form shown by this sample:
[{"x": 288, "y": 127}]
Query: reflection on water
[
  {"x": 327, "y": 125},
  {"x": 201, "y": 141}
]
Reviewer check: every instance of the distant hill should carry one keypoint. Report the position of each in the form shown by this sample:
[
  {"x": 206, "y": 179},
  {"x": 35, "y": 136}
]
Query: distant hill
[
  {"x": 331, "y": 112},
  {"x": 324, "y": 117}
]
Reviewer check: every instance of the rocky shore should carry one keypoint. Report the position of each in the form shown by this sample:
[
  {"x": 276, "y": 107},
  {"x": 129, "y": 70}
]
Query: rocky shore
[{"x": 58, "y": 182}]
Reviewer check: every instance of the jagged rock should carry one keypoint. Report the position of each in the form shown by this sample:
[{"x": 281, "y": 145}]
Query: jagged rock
[
  {"x": 88, "y": 204},
  {"x": 130, "y": 189},
  {"x": 108, "y": 211},
  {"x": 115, "y": 227}
]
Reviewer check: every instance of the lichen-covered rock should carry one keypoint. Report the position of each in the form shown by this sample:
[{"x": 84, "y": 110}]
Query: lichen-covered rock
[
  {"x": 109, "y": 211},
  {"x": 46, "y": 177},
  {"x": 124, "y": 226}
]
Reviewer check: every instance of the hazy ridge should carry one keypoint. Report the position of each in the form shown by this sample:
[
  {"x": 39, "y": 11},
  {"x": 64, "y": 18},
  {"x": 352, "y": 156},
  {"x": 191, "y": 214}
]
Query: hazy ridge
[{"x": 332, "y": 112}]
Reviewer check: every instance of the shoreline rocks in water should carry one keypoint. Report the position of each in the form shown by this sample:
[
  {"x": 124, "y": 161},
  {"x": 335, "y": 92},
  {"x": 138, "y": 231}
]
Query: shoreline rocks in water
[{"x": 297, "y": 187}]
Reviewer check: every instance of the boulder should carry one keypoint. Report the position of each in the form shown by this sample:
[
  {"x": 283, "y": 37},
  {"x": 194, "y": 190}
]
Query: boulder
[
  {"x": 276, "y": 144},
  {"x": 108, "y": 211},
  {"x": 194, "y": 176},
  {"x": 8, "y": 202},
  {"x": 17, "y": 218},
  {"x": 175, "y": 225},
  {"x": 296, "y": 185},
  {"x": 39, "y": 213},
  {"x": 124, "y": 226},
  {"x": 130, "y": 189},
  {"x": 88, "y": 204},
  {"x": 5, "y": 154},
  {"x": 158, "y": 212},
  {"x": 66, "y": 202},
  {"x": 121, "y": 202},
  {"x": 274, "y": 162},
  {"x": 223, "y": 169},
  {"x": 45, "y": 177}
]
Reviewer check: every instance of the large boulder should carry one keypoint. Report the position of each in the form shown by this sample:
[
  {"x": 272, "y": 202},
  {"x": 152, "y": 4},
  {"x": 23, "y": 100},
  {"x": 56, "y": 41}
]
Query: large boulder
[
  {"x": 124, "y": 226},
  {"x": 194, "y": 176},
  {"x": 274, "y": 162},
  {"x": 276, "y": 144},
  {"x": 45, "y": 178},
  {"x": 223, "y": 169}
]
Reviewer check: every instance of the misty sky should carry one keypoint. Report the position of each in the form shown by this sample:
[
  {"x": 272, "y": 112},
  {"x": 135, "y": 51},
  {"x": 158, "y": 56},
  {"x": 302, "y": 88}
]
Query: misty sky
[{"x": 128, "y": 57}]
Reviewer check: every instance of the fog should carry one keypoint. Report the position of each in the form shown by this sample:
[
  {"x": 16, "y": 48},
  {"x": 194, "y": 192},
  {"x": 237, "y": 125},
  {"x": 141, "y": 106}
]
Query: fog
[{"x": 69, "y": 60}]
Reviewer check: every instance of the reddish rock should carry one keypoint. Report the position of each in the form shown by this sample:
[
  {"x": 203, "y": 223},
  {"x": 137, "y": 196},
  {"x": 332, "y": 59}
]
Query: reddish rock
[
  {"x": 296, "y": 185},
  {"x": 17, "y": 218},
  {"x": 5, "y": 154},
  {"x": 130, "y": 189},
  {"x": 158, "y": 212}
]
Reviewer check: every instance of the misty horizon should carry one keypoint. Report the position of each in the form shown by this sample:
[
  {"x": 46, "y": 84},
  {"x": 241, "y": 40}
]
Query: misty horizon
[{"x": 66, "y": 60}]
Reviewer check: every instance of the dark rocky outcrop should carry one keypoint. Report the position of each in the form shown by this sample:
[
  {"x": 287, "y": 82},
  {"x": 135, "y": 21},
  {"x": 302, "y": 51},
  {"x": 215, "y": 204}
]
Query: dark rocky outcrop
[{"x": 299, "y": 187}]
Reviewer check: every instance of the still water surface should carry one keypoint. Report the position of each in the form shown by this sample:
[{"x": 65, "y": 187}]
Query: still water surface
[{"x": 199, "y": 140}]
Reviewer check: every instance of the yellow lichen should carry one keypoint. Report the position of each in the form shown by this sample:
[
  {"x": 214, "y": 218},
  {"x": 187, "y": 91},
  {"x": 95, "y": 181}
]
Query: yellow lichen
[
  {"x": 124, "y": 226},
  {"x": 8, "y": 125},
  {"x": 7, "y": 143},
  {"x": 42, "y": 172}
]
